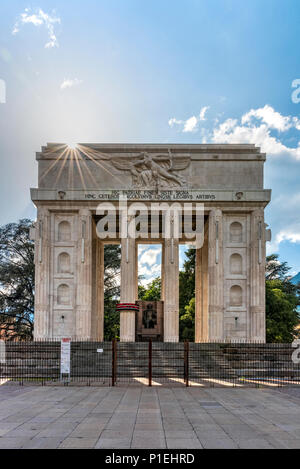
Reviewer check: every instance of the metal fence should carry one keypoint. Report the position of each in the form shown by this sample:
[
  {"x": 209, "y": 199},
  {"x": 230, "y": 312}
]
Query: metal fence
[{"x": 158, "y": 363}]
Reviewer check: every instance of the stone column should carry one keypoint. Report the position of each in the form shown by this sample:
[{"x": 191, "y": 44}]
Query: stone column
[
  {"x": 128, "y": 289},
  {"x": 98, "y": 293},
  {"x": 257, "y": 277},
  {"x": 42, "y": 236},
  {"x": 136, "y": 271},
  {"x": 171, "y": 290},
  {"x": 216, "y": 275},
  {"x": 201, "y": 292},
  {"x": 84, "y": 276},
  {"x": 162, "y": 276}
]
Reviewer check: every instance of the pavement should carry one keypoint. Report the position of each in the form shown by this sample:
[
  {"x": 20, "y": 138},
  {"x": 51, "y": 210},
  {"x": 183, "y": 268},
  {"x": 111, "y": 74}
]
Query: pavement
[{"x": 143, "y": 417}]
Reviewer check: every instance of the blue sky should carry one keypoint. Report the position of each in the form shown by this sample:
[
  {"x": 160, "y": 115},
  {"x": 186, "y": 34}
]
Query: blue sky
[{"x": 161, "y": 71}]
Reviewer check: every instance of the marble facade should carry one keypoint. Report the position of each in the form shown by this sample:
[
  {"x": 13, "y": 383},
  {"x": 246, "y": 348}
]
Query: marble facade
[{"x": 69, "y": 259}]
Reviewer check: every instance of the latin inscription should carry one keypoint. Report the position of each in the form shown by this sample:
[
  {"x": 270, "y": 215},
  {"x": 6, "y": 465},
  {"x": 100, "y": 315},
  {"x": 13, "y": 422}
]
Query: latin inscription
[{"x": 150, "y": 195}]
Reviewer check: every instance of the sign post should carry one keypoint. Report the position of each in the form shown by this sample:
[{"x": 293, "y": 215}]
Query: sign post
[{"x": 65, "y": 359}]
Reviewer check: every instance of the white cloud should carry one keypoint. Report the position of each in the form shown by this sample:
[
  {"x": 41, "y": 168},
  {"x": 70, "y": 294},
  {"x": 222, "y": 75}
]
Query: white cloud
[
  {"x": 39, "y": 18},
  {"x": 290, "y": 234},
  {"x": 231, "y": 131},
  {"x": 149, "y": 257},
  {"x": 191, "y": 124},
  {"x": 269, "y": 116},
  {"x": 203, "y": 112},
  {"x": 67, "y": 83}
]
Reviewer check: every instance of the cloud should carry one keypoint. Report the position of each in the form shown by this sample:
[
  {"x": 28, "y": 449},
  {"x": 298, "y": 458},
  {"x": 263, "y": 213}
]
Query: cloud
[
  {"x": 290, "y": 234},
  {"x": 39, "y": 18},
  {"x": 269, "y": 116},
  {"x": 255, "y": 126},
  {"x": 149, "y": 257},
  {"x": 191, "y": 124},
  {"x": 67, "y": 83}
]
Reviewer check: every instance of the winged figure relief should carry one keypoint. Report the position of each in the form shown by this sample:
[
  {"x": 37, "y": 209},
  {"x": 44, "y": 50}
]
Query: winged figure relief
[{"x": 152, "y": 170}]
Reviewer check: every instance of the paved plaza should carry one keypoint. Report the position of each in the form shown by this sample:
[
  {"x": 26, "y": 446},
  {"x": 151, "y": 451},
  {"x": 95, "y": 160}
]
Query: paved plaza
[{"x": 143, "y": 417}]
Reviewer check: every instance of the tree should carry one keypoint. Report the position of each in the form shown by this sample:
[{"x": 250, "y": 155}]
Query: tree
[
  {"x": 282, "y": 299},
  {"x": 152, "y": 292},
  {"x": 187, "y": 322},
  {"x": 16, "y": 280},
  {"x": 276, "y": 269},
  {"x": 112, "y": 264},
  {"x": 187, "y": 297}
]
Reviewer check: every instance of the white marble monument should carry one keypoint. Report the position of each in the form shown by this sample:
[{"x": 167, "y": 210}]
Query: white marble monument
[{"x": 230, "y": 265}]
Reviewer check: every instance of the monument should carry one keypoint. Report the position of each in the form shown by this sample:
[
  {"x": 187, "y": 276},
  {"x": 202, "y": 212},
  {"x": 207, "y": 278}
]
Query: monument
[{"x": 83, "y": 201}]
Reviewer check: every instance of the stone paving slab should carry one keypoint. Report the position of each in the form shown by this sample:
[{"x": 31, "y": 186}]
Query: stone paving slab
[{"x": 142, "y": 417}]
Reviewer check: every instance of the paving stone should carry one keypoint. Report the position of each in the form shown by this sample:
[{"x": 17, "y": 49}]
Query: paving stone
[
  {"x": 105, "y": 443},
  {"x": 42, "y": 443},
  {"x": 176, "y": 434},
  {"x": 218, "y": 443},
  {"x": 255, "y": 444},
  {"x": 181, "y": 443},
  {"x": 149, "y": 443},
  {"x": 12, "y": 443},
  {"x": 78, "y": 443}
]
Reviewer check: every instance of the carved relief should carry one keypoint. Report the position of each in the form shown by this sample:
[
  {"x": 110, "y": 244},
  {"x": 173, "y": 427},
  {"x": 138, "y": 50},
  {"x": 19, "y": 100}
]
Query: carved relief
[{"x": 152, "y": 170}]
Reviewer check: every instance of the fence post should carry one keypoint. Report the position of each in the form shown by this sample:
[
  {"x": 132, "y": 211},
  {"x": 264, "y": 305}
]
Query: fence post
[
  {"x": 186, "y": 362},
  {"x": 114, "y": 362},
  {"x": 150, "y": 362}
]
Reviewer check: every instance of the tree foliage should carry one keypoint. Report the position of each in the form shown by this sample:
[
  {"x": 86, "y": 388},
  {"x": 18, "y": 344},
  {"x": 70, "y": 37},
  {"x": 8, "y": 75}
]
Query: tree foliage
[
  {"x": 282, "y": 299},
  {"x": 187, "y": 297},
  {"x": 151, "y": 292},
  {"x": 112, "y": 264},
  {"x": 16, "y": 280}
]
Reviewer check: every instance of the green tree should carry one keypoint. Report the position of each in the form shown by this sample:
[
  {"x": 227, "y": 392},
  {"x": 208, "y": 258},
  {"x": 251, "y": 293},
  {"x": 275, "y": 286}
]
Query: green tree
[
  {"x": 187, "y": 322},
  {"x": 187, "y": 297},
  {"x": 282, "y": 299},
  {"x": 112, "y": 264},
  {"x": 152, "y": 292},
  {"x": 16, "y": 280}
]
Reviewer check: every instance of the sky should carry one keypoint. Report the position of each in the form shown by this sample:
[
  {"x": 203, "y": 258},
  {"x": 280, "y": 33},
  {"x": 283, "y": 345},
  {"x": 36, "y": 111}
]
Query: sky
[{"x": 172, "y": 71}]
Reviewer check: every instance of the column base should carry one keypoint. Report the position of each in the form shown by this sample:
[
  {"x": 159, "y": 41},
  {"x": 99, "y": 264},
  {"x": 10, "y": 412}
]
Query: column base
[{"x": 127, "y": 321}]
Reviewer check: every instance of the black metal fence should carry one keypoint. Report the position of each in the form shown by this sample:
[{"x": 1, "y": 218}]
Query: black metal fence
[{"x": 158, "y": 363}]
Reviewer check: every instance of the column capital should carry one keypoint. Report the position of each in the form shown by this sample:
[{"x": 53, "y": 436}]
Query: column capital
[{"x": 84, "y": 212}]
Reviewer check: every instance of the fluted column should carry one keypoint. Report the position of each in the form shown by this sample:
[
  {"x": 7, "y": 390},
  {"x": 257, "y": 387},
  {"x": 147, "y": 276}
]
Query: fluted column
[
  {"x": 128, "y": 288},
  {"x": 171, "y": 290},
  {"x": 98, "y": 294},
  {"x": 201, "y": 292},
  {"x": 42, "y": 235},
  {"x": 216, "y": 275},
  {"x": 84, "y": 276},
  {"x": 257, "y": 277}
]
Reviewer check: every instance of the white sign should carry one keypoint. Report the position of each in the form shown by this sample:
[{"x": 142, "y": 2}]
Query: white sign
[
  {"x": 65, "y": 356},
  {"x": 2, "y": 351},
  {"x": 99, "y": 350}
]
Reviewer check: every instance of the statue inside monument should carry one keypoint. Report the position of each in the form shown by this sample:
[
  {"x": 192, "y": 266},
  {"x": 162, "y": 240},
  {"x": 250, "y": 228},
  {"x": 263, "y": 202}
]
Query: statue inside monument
[{"x": 149, "y": 317}]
